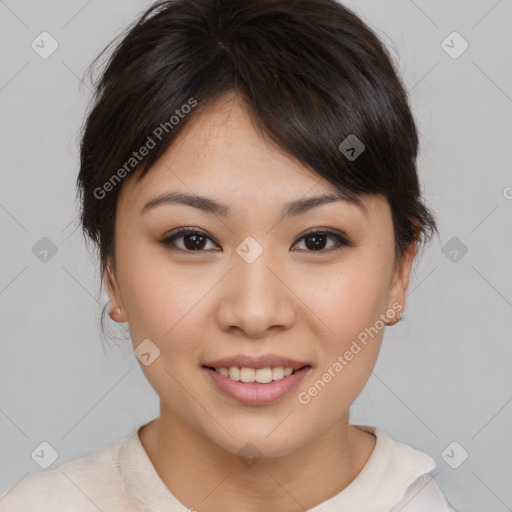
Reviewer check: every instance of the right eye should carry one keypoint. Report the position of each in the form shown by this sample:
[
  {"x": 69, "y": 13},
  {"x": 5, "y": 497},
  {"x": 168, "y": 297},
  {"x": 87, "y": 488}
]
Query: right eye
[{"x": 193, "y": 240}]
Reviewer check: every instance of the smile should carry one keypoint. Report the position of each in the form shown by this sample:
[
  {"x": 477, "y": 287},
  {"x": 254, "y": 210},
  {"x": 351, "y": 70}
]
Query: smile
[
  {"x": 259, "y": 386},
  {"x": 261, "y": 375}
]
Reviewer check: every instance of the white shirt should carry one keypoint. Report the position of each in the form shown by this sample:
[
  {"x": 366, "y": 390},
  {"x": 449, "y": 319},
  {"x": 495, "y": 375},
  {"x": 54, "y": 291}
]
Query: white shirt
[{"x": 121, "y": 478}]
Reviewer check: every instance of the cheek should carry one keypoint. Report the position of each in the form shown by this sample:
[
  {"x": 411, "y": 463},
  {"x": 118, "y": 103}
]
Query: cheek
[
  {"x": 165, "y": 306},
  {"x": 166, "y": 303},
  {"x": 350, "y": 297},
  {"x": 154, "y": 298},
  {"x": 348, "y": 305}
]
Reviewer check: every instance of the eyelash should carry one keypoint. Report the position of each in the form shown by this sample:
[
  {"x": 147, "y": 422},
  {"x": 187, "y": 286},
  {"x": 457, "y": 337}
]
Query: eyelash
[{"x": 342, "y": 240}]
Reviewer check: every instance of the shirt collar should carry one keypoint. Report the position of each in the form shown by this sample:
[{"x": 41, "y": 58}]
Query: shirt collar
[{"x": 380, "y": 485}]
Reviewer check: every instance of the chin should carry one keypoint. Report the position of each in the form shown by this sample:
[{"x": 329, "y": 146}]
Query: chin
[{"x": 267, "y": 438}]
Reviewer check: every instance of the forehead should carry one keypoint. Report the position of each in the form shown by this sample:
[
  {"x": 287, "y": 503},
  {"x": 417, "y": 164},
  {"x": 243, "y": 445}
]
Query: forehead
[
  {"x": 222, "y": 141},
  {"x": 220, "y": 153}
]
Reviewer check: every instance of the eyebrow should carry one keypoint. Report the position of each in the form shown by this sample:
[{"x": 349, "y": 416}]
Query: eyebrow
[{"x": 210, "y": 205}]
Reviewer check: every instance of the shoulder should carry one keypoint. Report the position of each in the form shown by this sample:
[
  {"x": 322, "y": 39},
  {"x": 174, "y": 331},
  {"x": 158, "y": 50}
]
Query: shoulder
[
  {"x": 423, "y": 495},
  {"x": 404, "y": 476},
  {"x": 80, "y": 485}
]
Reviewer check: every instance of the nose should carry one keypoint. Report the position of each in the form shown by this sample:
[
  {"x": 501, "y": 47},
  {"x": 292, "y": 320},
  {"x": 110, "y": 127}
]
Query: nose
[{"x": 256, "y": 298}]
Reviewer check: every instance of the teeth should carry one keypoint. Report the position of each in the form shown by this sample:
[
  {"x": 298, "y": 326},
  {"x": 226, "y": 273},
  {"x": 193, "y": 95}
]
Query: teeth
[
  {"x": 261, "y": 375},
  {"x": 277, "y": 373}
]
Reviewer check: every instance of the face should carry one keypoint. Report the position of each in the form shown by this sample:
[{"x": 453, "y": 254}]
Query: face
[{"x": 315, "y": 285}]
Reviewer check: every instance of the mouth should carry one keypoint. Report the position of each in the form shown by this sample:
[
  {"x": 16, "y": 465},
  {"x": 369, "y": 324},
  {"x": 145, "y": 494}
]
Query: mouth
[
  {"x": 256, "y": 386},
  {"x": 263, "y": 375}
]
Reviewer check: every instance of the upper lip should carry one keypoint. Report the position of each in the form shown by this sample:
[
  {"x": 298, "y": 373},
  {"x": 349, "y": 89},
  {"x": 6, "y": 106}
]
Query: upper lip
[{"x": 247, "y": 361}]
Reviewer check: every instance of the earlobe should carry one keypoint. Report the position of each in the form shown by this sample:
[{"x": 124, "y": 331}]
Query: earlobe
[
  {"x": 400, "y": 283},
  {"x": 113, "y": 292}
]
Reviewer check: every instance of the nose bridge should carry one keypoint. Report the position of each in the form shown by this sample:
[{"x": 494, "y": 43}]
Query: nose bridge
[
  {"x": 256, "y": 280},
  {"x": 256, "y": 297}
]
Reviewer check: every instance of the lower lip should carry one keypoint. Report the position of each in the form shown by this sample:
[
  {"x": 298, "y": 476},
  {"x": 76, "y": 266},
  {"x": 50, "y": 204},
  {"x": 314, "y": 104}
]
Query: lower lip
[{"x": 254, "y": 393}]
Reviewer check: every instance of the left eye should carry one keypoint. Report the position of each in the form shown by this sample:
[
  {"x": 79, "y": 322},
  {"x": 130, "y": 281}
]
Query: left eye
[
  {"x": 194, "y": 240},
  {"x": 318, "y": 239}
]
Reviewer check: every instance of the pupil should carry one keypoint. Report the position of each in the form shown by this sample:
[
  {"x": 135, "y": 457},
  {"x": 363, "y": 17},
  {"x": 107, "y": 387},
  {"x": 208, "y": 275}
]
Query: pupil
[
  {"x": 194, "y": 245},
  {"x": 316, "y": 244}
]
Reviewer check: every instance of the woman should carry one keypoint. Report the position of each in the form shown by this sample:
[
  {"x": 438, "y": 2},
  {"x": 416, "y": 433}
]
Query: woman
[{"x": 248, "y": 175}]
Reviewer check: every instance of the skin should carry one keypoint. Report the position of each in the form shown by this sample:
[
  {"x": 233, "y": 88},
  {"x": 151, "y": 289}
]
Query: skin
[{"x": 293, "y": 300}]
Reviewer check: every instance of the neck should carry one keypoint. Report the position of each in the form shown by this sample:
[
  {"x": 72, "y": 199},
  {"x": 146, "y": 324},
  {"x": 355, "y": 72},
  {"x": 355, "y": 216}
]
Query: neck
[{"x": 206, "y": 477}]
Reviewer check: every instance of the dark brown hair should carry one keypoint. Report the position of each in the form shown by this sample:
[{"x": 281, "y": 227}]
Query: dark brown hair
[{"x": 310, "y": 72}]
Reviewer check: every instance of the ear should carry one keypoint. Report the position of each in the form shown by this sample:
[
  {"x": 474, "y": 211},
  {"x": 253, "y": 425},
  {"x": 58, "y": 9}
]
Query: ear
[
  {"x": 400, "y": 282},
  {"x": 117, "y": 311}
]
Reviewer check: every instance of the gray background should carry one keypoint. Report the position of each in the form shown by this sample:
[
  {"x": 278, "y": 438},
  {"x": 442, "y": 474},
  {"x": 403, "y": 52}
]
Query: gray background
[{"x": 443, "y": 374}]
